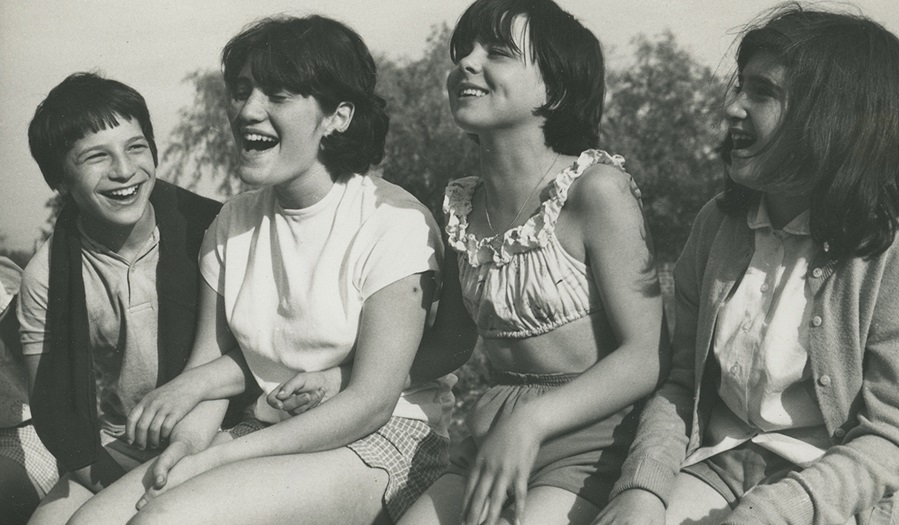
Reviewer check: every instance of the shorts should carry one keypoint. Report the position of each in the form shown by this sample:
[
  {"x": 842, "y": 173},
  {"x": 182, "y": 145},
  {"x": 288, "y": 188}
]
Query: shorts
[
  {"x": 586, "y": 461},
  {"x": 21, "y": 445},
  {"x": 411, "y": 453},
  {"x": 733, "y": 472}
]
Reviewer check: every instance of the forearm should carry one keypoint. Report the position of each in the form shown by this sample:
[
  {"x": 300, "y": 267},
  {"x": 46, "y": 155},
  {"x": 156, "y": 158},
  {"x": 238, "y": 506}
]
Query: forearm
[
  {"x": 347, "y": 417},
  {"x": 618, "y": 381},
  {"x": 220, "y": 378}
]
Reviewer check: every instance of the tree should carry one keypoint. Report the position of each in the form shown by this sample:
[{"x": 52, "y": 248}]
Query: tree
[
  {"x": 425, "y": 149},
  {"x": 201, "y": 146},
  {"x": 664, "y": 115}
]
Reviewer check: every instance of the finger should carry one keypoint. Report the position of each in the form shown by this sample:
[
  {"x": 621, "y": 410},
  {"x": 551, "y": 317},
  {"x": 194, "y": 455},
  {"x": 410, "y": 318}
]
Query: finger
[
  {"x": 496, "y": 500},
  {"x": 521, "y": 494},
  {"x": 168, "y": 425},
  {"x": 299, "y": 402},
  {"x": 154, "y": 430},
  {"x": 131, "y": 422},
  {"x": 479, "y": 498},
  {"x": 273, "y": 400},
  {"x": 141, "y": 429},
  {"x": 166, "y": 462},
  {"x": 294, "y": 385}
]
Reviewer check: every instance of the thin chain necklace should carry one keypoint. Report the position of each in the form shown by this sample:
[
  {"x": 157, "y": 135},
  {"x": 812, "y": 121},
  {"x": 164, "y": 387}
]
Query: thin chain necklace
[{"x": 523, "y": 205}]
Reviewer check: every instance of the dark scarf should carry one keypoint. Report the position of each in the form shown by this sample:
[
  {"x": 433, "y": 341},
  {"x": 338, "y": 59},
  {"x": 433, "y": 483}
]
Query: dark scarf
[{"x": 64, "y": 400}]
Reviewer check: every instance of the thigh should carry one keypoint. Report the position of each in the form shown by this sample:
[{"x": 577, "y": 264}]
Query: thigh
[
  {"x": 116, "y": 503},
  {"x": 334, "y": 486},
  {"x": 440, "y": 504},
  {"x": 695, "y": 502},
  {"x": 61, "y": 502},
  {"x": 552, "y": 505}
]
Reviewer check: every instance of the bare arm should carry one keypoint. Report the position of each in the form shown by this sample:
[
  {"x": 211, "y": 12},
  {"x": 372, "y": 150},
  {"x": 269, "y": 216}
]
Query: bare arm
[
  {"x": 618, "y": 250},
  {"x": 447, "y": 344},
  {"x": 390, "y": 330}
]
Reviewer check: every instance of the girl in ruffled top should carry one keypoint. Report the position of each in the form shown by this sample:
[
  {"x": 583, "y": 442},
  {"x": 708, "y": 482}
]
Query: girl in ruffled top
[{"x": 554, "y": 268}]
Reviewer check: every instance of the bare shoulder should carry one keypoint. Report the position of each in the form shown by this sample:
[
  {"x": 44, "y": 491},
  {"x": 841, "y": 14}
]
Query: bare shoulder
[{"x": 603, "y": 188}]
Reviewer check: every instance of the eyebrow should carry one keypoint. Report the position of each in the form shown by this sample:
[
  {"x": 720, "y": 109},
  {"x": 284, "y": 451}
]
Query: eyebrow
[{"x": 764, "y": 81}]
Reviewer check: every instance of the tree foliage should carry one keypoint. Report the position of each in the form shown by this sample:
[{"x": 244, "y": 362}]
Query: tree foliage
[
  {"x": 664, "y": 116},
  {"x": 201, "y": 146},
  {"x": 425, "y": 149}
]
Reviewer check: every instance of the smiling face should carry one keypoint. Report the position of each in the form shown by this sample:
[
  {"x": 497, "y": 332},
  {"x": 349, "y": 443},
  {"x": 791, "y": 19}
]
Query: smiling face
[
  {"x": 110, "y": 175},
  {"x": 277, "y": 134},
  {"x": 496, "y": 87},
  {"x": 754, "y": 116}
]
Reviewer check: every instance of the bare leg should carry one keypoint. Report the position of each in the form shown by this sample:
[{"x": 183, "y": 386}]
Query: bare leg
[
  {"x": 320, "y": 488},
  {"x": 440, "y": 504},
  {"x": 694, "y": 502},
  {"x": 552, "y": 505},
  {"x": 61, "y": 502},
  {"x": 115, "y": 504}
]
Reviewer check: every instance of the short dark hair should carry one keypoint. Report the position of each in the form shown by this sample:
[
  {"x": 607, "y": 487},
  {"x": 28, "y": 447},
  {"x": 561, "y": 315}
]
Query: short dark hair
[
  {"x": 838, "y": 139},
  {"x": 569, "y": 57},
  {"x": 322, "y": 58},
  {"x": 82, "y": 103}
]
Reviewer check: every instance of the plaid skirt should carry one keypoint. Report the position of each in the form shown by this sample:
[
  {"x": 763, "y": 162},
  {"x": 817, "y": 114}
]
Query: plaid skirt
[
  {"x": 411, "y": 453},
  {"x": 21, "y": 445}
]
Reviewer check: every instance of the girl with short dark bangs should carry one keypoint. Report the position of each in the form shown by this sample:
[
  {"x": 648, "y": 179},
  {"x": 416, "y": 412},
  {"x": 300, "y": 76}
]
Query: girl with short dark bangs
[
  {"x": 782, "y": 405},
  {"x": 319, "y": 267},
  {"x": 555, "y": 275}
]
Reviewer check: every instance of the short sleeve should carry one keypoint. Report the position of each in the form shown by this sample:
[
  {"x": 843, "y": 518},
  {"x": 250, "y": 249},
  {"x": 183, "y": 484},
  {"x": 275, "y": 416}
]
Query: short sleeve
[
  {"x": 212, "y": 258},
  {"x": 34, "y": 294},
  {"x": 406, "y": 241}
]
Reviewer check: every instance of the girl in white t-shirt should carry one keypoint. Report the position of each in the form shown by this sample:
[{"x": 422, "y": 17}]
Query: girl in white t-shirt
[{"x": 319, "y": 267}]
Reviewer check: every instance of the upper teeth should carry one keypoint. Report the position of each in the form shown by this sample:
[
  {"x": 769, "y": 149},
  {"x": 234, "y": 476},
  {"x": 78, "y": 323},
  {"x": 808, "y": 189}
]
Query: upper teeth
[
  {"x": 256, "y": 136},
  {"x": 474, "y": 92},
  {"x": 124, "y": 192},
  {"x": 737, "y": 137}
]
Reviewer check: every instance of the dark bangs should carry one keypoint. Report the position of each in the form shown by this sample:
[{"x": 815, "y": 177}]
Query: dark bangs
[
  {"x": 568, "y": 55},
  {"x": 83, "y": 103}
]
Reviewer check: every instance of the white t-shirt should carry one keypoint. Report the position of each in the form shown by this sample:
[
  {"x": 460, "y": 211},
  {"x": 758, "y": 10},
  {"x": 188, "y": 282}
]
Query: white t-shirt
[{"x": 294, "y": 281}]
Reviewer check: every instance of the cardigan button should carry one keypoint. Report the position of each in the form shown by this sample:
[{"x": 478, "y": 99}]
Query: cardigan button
[
  {"x": 839, "y": 433},
  {"x": 816, "y": 320},
  {"x": 824, "y": 380},
  {"x": 817, "y": 272}
]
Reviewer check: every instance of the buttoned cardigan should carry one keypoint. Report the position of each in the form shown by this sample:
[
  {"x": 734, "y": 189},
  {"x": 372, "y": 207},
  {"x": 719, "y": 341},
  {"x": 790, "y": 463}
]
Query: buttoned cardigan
[{"x": 854, "y": 356}]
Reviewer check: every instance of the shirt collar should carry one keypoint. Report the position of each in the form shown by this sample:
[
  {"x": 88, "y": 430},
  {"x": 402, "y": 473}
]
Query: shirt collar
[{"x": 758, "y": 218}]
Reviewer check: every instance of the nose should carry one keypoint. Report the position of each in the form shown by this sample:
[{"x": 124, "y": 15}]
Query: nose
[
  {"x": 252, "y": 109},
  {"x": 471, "y": 62},
  {"x": 735, "y": 108},
  {"x": 122, "y": 167}
]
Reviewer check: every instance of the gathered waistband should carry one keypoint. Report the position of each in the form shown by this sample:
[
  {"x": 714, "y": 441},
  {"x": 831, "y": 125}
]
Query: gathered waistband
[{"x": 505, "y": 377}]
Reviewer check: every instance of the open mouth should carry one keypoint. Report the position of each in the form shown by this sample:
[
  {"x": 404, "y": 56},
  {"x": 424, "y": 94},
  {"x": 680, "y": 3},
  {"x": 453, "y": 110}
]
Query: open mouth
[
  {"x": 122, "y": 194},
  {"x": 258, "y": 142},
  {"x": 741, "y": 140},
  {"x": 472, "y": 92}
]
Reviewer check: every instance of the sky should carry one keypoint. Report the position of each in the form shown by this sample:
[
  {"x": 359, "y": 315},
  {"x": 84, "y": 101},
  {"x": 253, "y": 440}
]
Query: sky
[{"x": 153, "y": 45}]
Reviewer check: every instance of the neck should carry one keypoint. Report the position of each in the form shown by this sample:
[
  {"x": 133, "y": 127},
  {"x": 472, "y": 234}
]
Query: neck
[
  {"x": 511, "y": 164},
  {"x": 304, "y": 190},
  {"x": 782, "y": 209},
  {"x": 126, "y": 241}
]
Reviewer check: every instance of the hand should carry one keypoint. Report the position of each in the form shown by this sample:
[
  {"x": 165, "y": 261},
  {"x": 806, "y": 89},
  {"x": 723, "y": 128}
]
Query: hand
[
  {"x": 177, "y": 464},
  {"x": 502, "y": 468},
  {"x": 305, "y": 390},
  {"x": 633, "y": 507},
  {"x": 153, "y": 419}
]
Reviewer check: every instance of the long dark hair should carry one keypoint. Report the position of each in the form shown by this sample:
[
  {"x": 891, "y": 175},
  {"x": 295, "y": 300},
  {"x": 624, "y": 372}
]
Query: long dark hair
[{"x": 839, "y": 135}]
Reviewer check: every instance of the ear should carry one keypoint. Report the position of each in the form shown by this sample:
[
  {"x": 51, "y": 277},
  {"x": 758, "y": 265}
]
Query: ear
[{"x": 340, "y": 120}]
